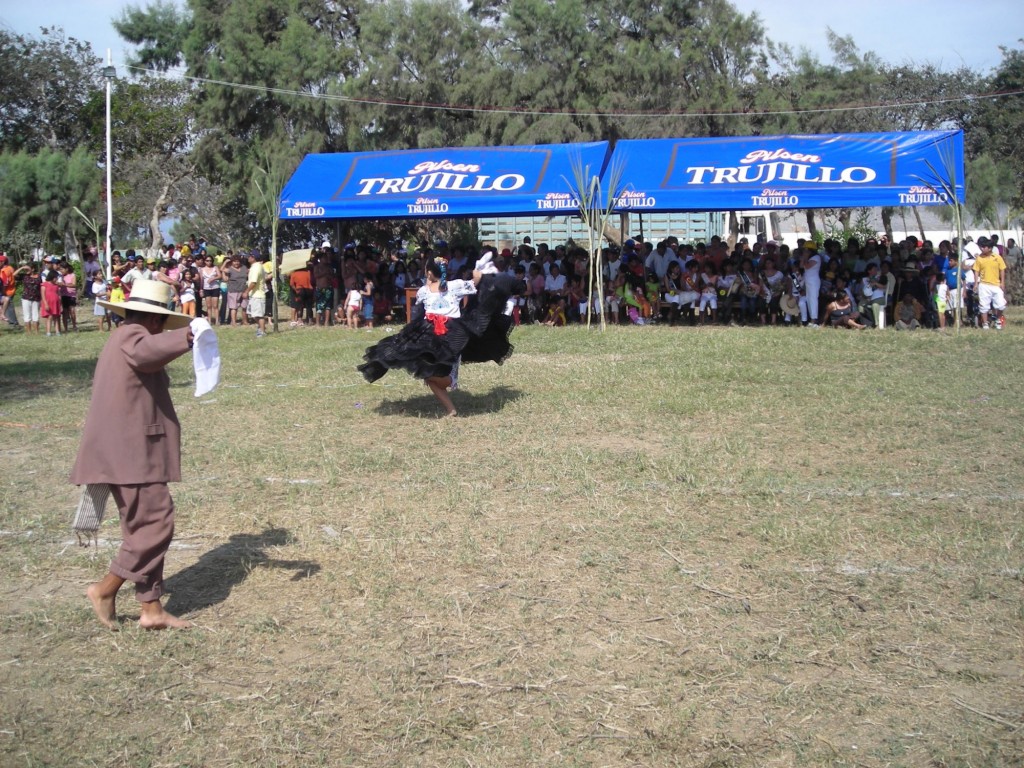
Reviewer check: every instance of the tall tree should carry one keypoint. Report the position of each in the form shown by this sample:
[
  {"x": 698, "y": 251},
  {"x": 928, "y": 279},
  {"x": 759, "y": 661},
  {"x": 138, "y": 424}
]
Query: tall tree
[
  {"x": 422, "y": 52},
  {"x": 287, "y": 55},
  {"x": 47, "y": 82},
  {"x": 158, "y": 32},
  {"x": 152, "y": 131},
  {"x": 39, "y": 192},
  {"x": 997, "y": 128}
]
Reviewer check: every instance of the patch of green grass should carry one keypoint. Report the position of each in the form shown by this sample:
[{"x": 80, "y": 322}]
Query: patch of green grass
[{"x": 648, "y": 546}]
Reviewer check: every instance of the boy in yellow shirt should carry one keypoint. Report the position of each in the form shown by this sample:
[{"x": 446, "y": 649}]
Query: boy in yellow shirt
[{"x": 990, "y": 270}]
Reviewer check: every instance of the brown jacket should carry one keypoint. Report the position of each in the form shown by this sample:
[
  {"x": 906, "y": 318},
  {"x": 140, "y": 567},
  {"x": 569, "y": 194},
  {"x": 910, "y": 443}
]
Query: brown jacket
[{"x": 132, "y": 435}]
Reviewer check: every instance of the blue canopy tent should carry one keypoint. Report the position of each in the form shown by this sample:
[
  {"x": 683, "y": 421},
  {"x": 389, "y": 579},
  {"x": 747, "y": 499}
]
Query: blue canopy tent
[
  {"x": 440, "y": 183},
  {"x": 777, "y": 172}
]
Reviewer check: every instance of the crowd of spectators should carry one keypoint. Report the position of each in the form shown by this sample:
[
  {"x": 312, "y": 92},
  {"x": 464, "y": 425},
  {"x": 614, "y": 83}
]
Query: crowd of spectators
[
  {"x": 225, "y": 288},
  {"x": 906, "y": 285}
]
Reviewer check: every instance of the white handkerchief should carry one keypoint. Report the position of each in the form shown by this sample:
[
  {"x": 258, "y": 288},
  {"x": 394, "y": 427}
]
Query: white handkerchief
[{"x": 205, "y": 356}]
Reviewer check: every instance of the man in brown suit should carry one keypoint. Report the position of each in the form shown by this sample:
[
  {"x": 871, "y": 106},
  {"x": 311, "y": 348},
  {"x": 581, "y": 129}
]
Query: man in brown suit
[{"x": 132, "y": 441}]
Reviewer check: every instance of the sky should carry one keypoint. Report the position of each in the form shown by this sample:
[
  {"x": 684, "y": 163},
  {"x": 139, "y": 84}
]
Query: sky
[{"x": 899, "y": 31}]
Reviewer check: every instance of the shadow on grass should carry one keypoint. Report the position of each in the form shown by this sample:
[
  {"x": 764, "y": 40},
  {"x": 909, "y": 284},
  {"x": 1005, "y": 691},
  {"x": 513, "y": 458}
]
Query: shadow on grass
[
  {"x": 21, "y": 380},
  {"x": 466, "y": 403},
  {"x": 210, "y": 580}
]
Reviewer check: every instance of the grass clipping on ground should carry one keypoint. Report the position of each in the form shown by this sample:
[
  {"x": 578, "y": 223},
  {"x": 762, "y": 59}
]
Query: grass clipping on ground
[{"x": 697, "y": 547}]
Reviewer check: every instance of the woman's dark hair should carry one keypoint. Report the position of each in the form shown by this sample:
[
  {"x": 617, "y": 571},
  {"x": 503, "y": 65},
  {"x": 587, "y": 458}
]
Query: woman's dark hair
[{"x": 438, "y": 267}]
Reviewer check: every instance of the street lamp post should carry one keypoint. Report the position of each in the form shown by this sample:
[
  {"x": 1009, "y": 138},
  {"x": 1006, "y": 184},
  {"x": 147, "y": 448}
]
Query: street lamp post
[{"x": 109, "y": 73}]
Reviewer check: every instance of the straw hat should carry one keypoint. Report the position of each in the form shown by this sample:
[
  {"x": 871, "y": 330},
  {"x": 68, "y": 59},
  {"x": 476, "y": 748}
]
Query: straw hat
[
  {"x": 153, "y": 297},
  {"x": 789, "y": 305}
]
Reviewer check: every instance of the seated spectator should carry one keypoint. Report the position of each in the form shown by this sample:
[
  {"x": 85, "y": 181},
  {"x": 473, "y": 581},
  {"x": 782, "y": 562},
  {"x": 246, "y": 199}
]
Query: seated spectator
[
  {"x": 873, "y": 296},
  {"x": 382, "y": 307},
  {"x": 840, "y": 312},
  {"x": 908, "y": 314}
]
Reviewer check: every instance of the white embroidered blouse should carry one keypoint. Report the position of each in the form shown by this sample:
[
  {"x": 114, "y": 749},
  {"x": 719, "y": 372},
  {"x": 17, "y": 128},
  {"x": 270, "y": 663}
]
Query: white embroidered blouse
[{"x": 445, "y": 303}]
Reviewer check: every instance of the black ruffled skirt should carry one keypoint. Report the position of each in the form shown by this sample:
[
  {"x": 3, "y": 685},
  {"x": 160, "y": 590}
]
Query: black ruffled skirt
[
  {"x": 480, "y": 336},
  {"x": 418, "y": 350},
  {"x": 493, "y": 345}
]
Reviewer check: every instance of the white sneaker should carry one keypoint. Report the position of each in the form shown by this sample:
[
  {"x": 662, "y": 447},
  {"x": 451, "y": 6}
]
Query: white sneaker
[{"x": 984, "y": 326}]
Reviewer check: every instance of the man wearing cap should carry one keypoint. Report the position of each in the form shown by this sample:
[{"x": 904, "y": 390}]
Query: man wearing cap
[
  {"x": 990, "y": 271},
  {"x": 132, "y": 442}
]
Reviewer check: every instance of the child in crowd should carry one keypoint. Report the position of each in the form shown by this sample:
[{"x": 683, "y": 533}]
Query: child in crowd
[
  {"x": 518, "y": 302},
  {"x": 366, "y": 301},
  {"x": 726, "y": 292},
  {"x": 708, "y": 292},
  {"x": 381, "y": 308},
  {"x": 68, "y": 297},
  {"x": 51, "y": 305},
  {"x": 556, "y": 314},
  {"x": 100, "y": 293},
  {"x": 117, "y": 296},
  {"x": 353, "y": 302}
]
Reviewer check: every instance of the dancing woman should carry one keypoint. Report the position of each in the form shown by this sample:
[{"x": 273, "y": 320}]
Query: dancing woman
[{"x": 432, "y": 344}]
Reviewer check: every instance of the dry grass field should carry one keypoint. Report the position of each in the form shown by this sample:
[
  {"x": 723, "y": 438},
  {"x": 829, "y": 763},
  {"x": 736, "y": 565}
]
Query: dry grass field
[{"x": 649, "y": 547}]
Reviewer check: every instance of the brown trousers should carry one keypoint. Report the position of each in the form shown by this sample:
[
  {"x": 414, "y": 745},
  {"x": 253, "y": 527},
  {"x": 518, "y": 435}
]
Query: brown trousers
[{"x": 147, "y": 526}]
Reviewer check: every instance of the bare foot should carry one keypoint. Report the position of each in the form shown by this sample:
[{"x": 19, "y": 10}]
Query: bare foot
[
  {"x": 104, "y": 607},
  {"x": 157, "y": 618}
]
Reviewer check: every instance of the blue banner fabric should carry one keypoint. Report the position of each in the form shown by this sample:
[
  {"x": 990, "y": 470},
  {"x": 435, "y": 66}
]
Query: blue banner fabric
[
  {"x": 441, "y": 183},
  {"x": 777, "y": 172}
]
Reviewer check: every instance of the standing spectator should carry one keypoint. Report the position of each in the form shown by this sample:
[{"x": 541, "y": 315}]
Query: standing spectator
[
  {"x": 31, "y": 295},
  {"x": 659, "y": 259},
  {"x": 90, "y": 268},
  {"x": 349, "y": 312},
  {"x": 187, "y": 296},
  {"x": 50, "y": 308},
  {"x": 990, "y": 270},
  {"x": 810, "y": 262},
  {"x": 268, "y": 275},
  {"x": 68, "y": 296},
  {"x": 117, "y": 296},
  {"x": 256, "y": 293},
  {"x": 1013, "y": 253},
  {"x": 7, "y": 289},
  {"x": 211, "y": 290},
  {"x": 323, "y": 283},
  {"x": 238, "y": 278},
  {"x": 132, "y": 442},
  {"x": 367, "y": 300},
  {"x": 162, "y": 275},
  {"x": 300, "y": 282},
  {"x": 138, "y": 271},
  {"x": 996, "y": 247},
  {"x": 98, "y": 291}
]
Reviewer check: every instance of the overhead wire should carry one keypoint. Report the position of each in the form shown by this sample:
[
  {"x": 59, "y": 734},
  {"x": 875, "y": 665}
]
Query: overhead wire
[{"x": 552, "y": 112}]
